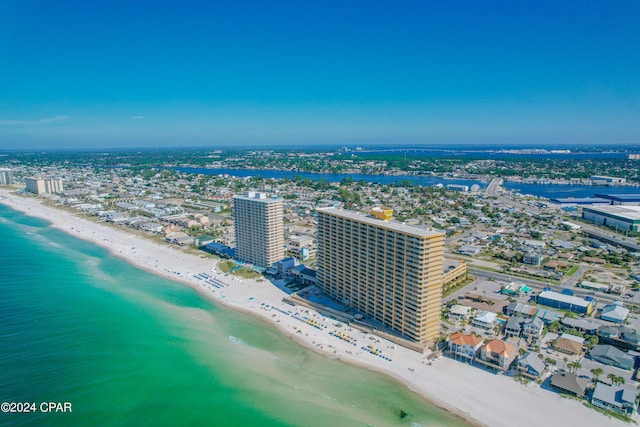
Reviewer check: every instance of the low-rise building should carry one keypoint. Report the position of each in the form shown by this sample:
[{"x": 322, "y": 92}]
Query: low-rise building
[
  {"x": 615, "y": 313},
  {"x": 621, "y": 217},
  {"x": 459, "y": 313},
  {"x": 612, "y": 356},
  {"x": 520, "y": 309},
  {"x": 532, "y": 330},
  {"x": 498, "y": 354},
  {"x": 513, "y": 327},
  {"x": 581, "y": 325},
  {"x": 619, "y": 336},
  {"x": 484, "y": 320},
  {"x": 565, "y": 302},
  {"x": 533, "y": 258},
  {"x": 453, "y": 271},
  {"x": 569, "y": 344},
  {"x": 304, "y": 275},
  {"x": 469, "y": 250},
  {"x": 531, "y": 365},
  {"x": 464, "y": 346},
  {"x": 617, "y": 398},
  {"x": 570, "y": 383}
]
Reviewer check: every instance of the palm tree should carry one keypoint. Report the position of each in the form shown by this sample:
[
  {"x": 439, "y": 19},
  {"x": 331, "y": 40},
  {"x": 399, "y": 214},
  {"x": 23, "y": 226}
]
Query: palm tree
[
  {"x": 574, "y": 366},
  {"x": 596, "y": 373},
  {"x": 564, "y": 365},
  {"x": 615, "y": 379}
]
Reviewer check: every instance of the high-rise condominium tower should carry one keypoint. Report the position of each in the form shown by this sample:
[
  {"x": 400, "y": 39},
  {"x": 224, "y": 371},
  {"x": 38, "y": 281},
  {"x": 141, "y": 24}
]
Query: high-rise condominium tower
[
  {"x": 385, "y": 269},
  {"x": 259, "y": 228}
]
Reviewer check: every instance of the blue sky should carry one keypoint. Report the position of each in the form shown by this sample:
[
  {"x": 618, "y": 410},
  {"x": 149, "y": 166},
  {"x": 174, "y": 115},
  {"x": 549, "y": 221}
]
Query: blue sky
[{"x": 77, "y": 74}]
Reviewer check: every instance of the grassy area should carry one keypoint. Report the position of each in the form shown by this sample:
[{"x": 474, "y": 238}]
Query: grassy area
[
  {"x": 612, "y": 414},
  {"x": 572, "y": 271},
  {"x": 226, "y": 265},
  {"x": 246, "y": 273}
]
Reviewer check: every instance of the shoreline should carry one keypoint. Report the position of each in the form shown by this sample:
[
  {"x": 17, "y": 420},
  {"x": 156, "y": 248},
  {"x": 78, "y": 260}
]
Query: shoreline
[{"x": 469, "y": 393}]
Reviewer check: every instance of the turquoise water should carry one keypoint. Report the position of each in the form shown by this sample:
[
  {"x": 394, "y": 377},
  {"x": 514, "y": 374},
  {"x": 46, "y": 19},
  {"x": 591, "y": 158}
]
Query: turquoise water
[{"x": 127, "y": 348}]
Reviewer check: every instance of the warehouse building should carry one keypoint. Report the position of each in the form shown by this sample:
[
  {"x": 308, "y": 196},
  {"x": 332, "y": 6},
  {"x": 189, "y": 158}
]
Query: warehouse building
[{"x": 623, "y": 218}]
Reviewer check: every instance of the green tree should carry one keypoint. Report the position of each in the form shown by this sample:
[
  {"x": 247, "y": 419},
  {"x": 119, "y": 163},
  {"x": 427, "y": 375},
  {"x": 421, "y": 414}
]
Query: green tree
[
  {"x": 574, "y": 366},
  {"x": 596, "y": 373}
]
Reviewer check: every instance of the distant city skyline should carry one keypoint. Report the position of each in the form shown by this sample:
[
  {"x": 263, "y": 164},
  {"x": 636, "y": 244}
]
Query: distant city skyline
[{"x": 159, "y": 74}]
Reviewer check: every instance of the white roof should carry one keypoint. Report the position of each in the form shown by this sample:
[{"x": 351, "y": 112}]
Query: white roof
[
  {"x": 486, "y": 317},
  {"x": 630, "y": 213},
  {"x": 615, "y": 311},
  {"x": 573, "y": 338},
  {"x": 460, "y": 309}
]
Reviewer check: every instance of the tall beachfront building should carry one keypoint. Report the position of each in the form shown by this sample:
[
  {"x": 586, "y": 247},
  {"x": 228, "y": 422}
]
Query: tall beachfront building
[
  {"x": 6, "y": 176},
  {"x": 385, "y": 269},
  {"x": 259, "y": 228},
  {"x": 43, "y": 185}
]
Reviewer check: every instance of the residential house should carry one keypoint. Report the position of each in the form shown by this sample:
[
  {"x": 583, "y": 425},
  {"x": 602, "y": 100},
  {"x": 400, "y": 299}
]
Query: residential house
[
  {"x": 615, "y": 397},
  {"x": 532, "y": 330},
  {"x": 150, "y": 226},
  {"x": 531, "y": 365},
  {"x": 533, "y": 258},
  {"x": 469, "y": 250},
  {"x": 570, "y": 383},
  {"x": 581, "y": 325},
  {"x": 498, "y": 354},
  {"x": 484, "y": 320},
  {"x": 612, "y": 356},
  {"x": 615, "y": 313},
  {"x": 464, "y": 346},
  {"x": 459, "y": 313},
  {"x": 548, "y": 316},
  {"x": 513, "y": 327},
  {"x": 569, "y": 344},
  {"x": 520, "y": 309},
  {"x": 620, "y": 336}
]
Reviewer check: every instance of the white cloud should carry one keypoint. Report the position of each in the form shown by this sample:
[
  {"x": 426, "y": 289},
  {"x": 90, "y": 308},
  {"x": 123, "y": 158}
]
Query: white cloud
[
  {"x": 138, "y": 117},
  {"x": 38, "y": 122}
]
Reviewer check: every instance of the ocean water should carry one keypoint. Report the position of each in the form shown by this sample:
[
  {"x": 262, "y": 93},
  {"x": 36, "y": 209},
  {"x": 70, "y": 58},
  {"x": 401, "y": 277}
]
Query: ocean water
[{"x": 128, "y": 348}]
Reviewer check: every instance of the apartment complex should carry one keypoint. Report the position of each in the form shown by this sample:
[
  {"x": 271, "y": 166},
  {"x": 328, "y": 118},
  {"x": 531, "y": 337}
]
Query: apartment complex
[
  {"x": 385, "y": 269},
  {"x": 43, "y": 185},
  {"x": 259, "y": 228},
  {"x": 6, "y": 176}
]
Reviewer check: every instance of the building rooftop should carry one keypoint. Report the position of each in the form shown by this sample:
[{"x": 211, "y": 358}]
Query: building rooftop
[
  {"x": 389, "y": 225},
  {"x": 556, "y": 296},
  {"x": 500, "y": 347},
  {"x": 628, "y": 213},
  {"x": 620, "y": 197},
  {"x": 614, "y": 395},
  {"x": 259, "y": 197},
  {"x": 579, "y": 200},
  {"x": 463, "y": 339}
]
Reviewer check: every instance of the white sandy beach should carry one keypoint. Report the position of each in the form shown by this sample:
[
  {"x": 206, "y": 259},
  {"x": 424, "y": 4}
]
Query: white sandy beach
[{"x": 479, "y": 396}]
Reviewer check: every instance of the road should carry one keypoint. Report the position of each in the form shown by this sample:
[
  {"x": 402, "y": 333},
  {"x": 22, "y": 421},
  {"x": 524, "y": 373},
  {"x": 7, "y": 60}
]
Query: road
[{"x": 493, "y": 187}]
